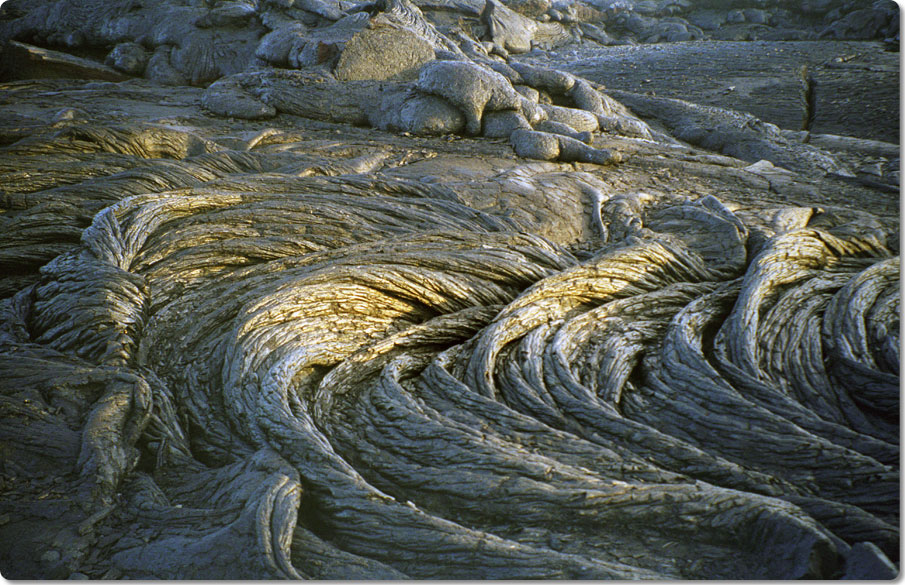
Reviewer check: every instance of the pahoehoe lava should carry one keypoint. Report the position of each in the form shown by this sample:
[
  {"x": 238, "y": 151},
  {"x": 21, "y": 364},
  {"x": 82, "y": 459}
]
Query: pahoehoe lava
[{"x": 401, "y": 290}]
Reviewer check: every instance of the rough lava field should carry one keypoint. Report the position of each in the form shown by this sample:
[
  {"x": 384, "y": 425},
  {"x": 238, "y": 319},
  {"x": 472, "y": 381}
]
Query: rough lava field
[{"x": 449, "y": 289}]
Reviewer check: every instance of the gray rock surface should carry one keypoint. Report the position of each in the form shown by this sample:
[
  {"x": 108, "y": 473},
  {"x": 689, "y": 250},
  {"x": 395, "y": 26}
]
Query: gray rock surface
[
  {"x": 278, "y": 45},
  {"x": 280, "y": 308},
  {"x": 383, "y": 53},
  {"x": 401, "y": 109},
  {"x": 559, "y": 146},
  {"x": 831, "y": 88},
  {"x": 866, "y": 561},
  {"x": 503, "y": 123},
  {"x": 24, "y": 61},
  {"x": 160, "y": 70},
  {"x": 507, "y": 28},
  {"x": 129, "y": 58},
  {"x": 226, "y": 97},
  {"x": 471, "y": 88},
  {"x": 579, "y": 120}
]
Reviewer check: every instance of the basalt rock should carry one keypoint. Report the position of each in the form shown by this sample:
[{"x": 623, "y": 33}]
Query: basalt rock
[
  {"x": 559, "y": 146},
  {"x": 469, "y": 87},
  {"x": 383, "y": 53},
  {"x": 564, "y": 130},
  {"x": 279, "y": 344},
  {"x": 290, "y": 325},
  {"x": 503, "y": 123},
  {"x": 737, "y": 134},
  {"x": 530, "y": 8},
  {"x": 227, "y": 97},
  {"x": 23, "y": 61},
  {"x": 508, "y": 29},
  {"x": 445, "y": 98},
  {"x": 579, "y": 120},
  {"x": 402, "y": 109},
  {"x": 129, "y": 58},
  {"x": 405, "y": 14},
  {"x": 283, "y": 43}
]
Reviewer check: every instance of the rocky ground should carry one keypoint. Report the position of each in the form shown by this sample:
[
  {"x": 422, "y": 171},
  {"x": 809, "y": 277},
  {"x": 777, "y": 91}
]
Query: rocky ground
[
  {"x": 842, "y": 87},
  {"x": 459, "y": 290}
]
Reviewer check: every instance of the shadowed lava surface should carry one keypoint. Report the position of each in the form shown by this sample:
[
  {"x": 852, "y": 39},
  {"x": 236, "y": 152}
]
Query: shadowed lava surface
[{"x": 315, "y": 343}]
